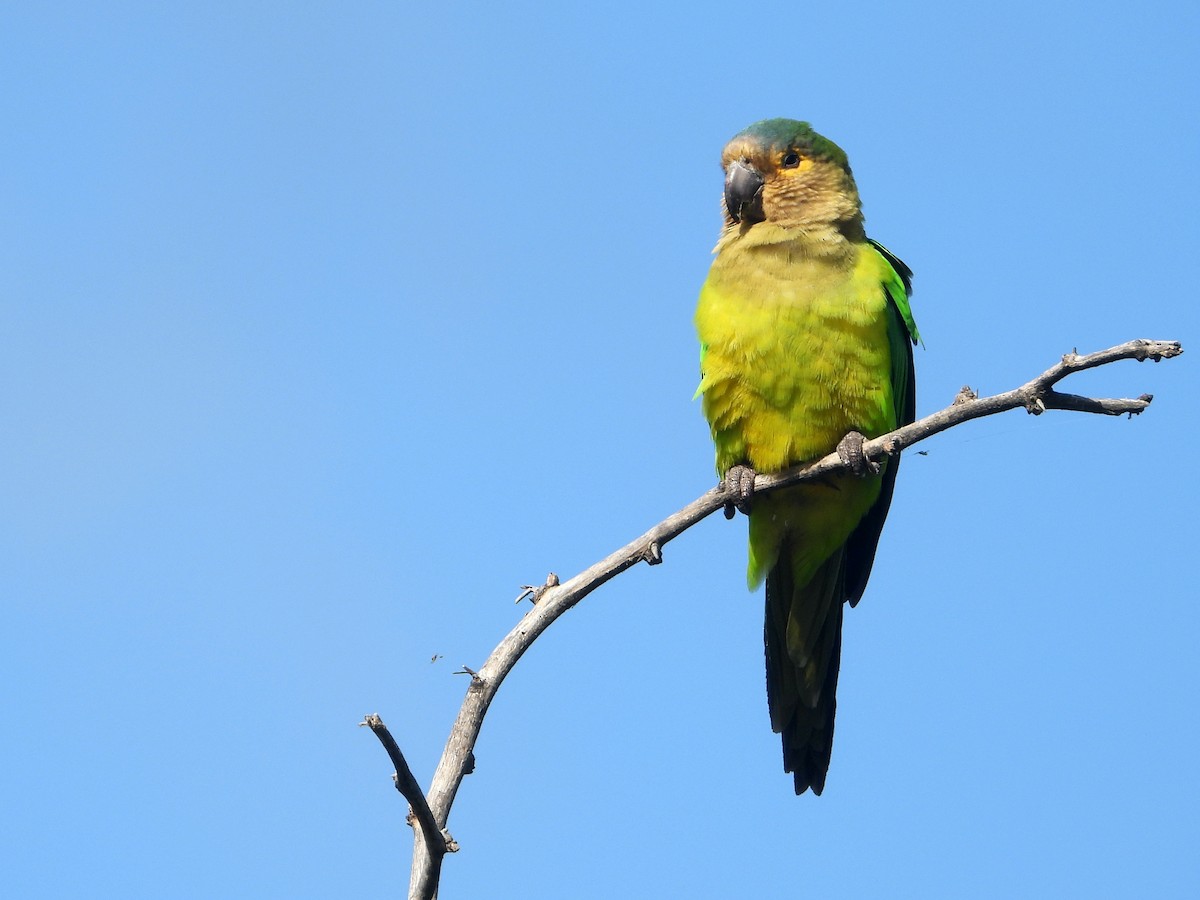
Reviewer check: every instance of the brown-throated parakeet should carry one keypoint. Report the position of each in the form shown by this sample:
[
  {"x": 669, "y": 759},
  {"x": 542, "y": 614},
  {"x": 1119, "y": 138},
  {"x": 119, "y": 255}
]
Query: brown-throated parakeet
[{"x": 806, "y": 337}]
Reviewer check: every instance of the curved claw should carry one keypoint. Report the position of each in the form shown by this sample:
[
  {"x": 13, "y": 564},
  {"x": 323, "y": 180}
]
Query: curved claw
[
  {"x": 739, "y": 487},
  {"x": 850, "y": 451}
]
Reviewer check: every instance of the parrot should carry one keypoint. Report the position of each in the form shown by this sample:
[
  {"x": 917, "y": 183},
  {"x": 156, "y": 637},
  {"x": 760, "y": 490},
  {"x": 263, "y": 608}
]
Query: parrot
[{"x": 806, "y": 348}]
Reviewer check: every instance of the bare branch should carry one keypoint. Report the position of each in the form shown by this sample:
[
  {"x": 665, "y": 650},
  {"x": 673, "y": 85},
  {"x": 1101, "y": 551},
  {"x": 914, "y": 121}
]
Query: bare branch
[
  {"x": 552, "y": 599},
  {"x": 436, "y": 839},
  {"x": 1034, "y": 396}
]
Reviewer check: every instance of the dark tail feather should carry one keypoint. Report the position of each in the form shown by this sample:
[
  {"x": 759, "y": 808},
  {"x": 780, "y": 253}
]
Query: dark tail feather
[{"x": 803, "y": 637}]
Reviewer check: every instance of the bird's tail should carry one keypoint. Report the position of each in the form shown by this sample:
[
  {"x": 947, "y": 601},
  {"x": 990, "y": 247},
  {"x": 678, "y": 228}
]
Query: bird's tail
[{"x": 804, "y": 647}]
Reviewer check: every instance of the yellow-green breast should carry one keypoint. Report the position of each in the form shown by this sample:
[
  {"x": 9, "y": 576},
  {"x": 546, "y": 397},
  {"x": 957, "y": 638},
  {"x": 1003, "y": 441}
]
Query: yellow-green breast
[{"x": 796, "y": 350}]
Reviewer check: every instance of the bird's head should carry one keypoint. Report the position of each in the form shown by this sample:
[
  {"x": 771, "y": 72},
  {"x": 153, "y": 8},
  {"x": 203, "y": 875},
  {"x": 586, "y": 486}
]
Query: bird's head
[{"x": 782, "y": 172}]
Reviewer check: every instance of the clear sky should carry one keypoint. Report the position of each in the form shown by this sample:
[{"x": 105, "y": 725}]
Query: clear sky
[{"x": 326, "y": 326}]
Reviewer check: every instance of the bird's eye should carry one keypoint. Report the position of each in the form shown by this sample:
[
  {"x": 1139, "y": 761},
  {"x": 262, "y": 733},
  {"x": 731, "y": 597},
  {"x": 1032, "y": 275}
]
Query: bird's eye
[{"x": 791, "y": 160}]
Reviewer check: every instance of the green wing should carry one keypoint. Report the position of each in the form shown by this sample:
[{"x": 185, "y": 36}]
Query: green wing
[{"x": 902, "y": 334}]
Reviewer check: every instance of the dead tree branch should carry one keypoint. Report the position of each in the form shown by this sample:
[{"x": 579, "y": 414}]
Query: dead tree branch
[
  {"x": 553, "y": 599},
  {"x": 437, "y": 841}
]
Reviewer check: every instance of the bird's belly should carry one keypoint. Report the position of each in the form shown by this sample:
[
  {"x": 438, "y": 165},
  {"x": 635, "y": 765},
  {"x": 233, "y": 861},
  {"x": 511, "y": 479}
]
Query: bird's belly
[
  {"x": 790, "y": 396},
  {"x": 797, "y": 354}
]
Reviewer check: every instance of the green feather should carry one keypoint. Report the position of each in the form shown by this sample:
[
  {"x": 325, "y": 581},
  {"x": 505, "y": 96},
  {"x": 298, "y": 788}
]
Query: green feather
[{"x": 780, "y": 135}]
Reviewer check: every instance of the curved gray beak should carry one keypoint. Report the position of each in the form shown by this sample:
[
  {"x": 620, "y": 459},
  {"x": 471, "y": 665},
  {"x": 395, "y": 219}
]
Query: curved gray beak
[{"x": 743, "y": 192}]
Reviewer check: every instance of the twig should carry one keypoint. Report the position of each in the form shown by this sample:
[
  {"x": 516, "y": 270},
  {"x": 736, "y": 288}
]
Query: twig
[
  {"x": 1034, "y": 396},
  {"x": 554, "y": 599},
  {"x": 436, "y": 839}
]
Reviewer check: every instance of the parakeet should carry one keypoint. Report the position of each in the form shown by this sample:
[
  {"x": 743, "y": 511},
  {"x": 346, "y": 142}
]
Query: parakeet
[{"x": 806, "y": 337}]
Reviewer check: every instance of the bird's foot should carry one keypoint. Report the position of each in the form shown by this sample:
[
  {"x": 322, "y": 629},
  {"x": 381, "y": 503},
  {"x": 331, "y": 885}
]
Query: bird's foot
[
  {"x": 739, "y": 488},
  {"x": 850, "y": 451}
]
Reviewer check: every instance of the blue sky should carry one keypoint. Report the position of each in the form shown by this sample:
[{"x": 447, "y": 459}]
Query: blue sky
[{"x": 325, "y": 327}]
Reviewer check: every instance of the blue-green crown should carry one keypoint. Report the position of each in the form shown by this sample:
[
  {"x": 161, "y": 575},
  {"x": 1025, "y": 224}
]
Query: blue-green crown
[{"x": 781, "y": 135}]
